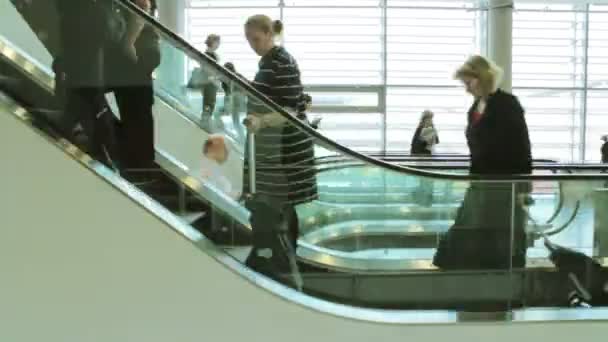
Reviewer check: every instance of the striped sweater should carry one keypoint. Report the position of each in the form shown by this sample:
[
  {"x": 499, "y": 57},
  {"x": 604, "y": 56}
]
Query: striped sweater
[{"x": 284, "y": 154}]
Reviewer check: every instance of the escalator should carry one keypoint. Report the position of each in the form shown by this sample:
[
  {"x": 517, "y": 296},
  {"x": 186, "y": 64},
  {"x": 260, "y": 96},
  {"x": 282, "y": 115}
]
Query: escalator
[{"x": 398, "y": 276}]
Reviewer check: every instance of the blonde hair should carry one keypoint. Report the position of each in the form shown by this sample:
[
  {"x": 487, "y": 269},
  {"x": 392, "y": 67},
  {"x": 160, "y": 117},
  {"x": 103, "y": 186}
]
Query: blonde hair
[
  {"x": 487, "y": 72},
  {"x": 263, "y": 23}
]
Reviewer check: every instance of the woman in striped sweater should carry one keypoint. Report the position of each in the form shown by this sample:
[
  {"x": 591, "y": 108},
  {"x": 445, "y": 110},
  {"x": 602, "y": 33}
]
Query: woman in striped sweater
[{"x": 284, "y": 154}]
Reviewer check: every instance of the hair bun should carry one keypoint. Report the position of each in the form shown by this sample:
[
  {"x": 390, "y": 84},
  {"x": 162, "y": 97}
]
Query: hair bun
[
  {"x": 212, "y": 38},
  {"x": 277, "y": 27}
]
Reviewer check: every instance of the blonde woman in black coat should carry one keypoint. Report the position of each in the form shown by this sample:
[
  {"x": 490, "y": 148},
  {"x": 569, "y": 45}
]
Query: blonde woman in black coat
[{"x": 489, "y": 230}]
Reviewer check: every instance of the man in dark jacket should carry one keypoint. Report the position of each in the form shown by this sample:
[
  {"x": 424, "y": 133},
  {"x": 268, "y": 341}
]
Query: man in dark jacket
[
  {"x": 129, "y": 76},
  {"x": 108, "y": 48},
  {"x": 85, "y": 26}
]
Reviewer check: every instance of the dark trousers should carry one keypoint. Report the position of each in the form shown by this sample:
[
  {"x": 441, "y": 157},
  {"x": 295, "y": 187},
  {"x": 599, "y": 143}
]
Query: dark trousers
[
  {"x": 209, "y": 98},
  {"x": 136, "y": 127},
  {"x": 82, "y": 30},
  {"x": 274, "y": 239},
  {"x": 88, "y": 107}
]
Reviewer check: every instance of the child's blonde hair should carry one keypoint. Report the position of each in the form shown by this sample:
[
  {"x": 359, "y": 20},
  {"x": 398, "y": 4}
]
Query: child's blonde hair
[{"x": 215, "y": 141}]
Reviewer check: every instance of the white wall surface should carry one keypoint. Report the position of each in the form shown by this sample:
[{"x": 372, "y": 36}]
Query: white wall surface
[
  {"x": 16, "y": 30},
  {"x": 183, "y": 140},
  {"x": 80, "y": 262}
]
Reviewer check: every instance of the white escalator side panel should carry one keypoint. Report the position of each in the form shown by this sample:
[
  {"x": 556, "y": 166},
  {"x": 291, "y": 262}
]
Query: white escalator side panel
[
  {"x": 14, "y": 27},
  {"x": 80, "y": 261}
]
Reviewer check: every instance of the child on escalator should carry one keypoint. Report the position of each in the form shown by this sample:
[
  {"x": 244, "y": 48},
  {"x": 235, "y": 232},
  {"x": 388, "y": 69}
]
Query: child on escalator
[{"x": 215, "y": 152}]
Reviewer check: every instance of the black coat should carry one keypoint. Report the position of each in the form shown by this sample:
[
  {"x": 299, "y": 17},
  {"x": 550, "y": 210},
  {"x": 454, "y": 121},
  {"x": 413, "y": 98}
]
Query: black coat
[
  {"x": 499, "y": 142},
  {"x": 122, "y": 71},
  {"x": 489, "y": 228},
  {"x": 419, "y": 146},
  {"x": 605, "y": 152}
]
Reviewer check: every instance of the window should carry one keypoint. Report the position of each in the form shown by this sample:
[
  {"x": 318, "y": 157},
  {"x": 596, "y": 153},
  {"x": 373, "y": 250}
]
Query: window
[
  {"x": 336, "y": 45},
  {"x": 226, "y": 18},
  {"x": 372, "y": 66},
  {"x": 597, "y": 95},
  {"x": 426, "y": 42},
  {"x": 548, "y": 76},
  {"x": 560, "y": 70},
  {"x": 339, "y": 48}
]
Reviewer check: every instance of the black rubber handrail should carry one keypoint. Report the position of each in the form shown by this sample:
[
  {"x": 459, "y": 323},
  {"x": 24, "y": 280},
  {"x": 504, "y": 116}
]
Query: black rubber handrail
[
  {"x": 435, "y": 157},
  {"x": 418, "y": 158},
  {"x": 570, "y": 168},
  {"x": 321, "y": 139}
]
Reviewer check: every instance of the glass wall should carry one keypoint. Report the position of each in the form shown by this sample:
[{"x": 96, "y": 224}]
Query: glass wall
[{"x": 372, "y": 66}]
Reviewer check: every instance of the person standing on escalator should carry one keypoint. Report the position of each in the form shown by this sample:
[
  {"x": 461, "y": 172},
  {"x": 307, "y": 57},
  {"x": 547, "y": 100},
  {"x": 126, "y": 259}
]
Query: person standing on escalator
[
  {"x": 604, "y": 149},
  {"x": 489, "y": 229},
  {"x": 423, "y": 144},
  {"x": 129, "y": 76},
  {"x": 235, "y": 101},
  {"x": 116, "y": 52},
  {"x": 284, "y": 154},
  {"x": 210, "y": 88},
  {"x": 426, "y": 137},
  {"x": 86, "y": 28}
]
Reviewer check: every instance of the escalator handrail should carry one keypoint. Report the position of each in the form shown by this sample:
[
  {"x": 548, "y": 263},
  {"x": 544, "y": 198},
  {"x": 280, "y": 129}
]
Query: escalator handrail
[
  {"x": 320, "y": 138},
  {"x": 398, "y": 156},
  {"x": 327, "y": 166},
  {"x": 405, "y": 157},
  {"x": 557, "y": 230}
]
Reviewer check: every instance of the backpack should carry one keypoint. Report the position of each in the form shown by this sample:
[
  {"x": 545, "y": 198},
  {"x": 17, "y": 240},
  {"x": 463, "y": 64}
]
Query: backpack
[{"x": 587, "y": 277}]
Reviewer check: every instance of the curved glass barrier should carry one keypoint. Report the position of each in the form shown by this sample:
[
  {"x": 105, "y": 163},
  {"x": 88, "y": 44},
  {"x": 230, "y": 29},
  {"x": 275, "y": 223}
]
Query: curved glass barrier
[{"x": 376, "y": 234}]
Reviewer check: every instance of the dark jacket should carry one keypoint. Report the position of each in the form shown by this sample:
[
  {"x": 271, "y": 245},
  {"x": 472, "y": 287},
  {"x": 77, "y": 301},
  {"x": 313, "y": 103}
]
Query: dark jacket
[
  {"x": 83, "y": 27},
  {"x": 419, "y": 146},
  {"x": 605, "y": 152},
  {"x": 499, "y": 142},
  {"x": 148, "y": 53},
  {"x": 122, "y": 71}
]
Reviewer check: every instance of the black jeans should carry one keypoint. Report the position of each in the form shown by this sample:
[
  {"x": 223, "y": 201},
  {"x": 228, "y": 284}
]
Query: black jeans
[
  {"x": 136, "y": 128},
  {"x": 88, "y": 108}
]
